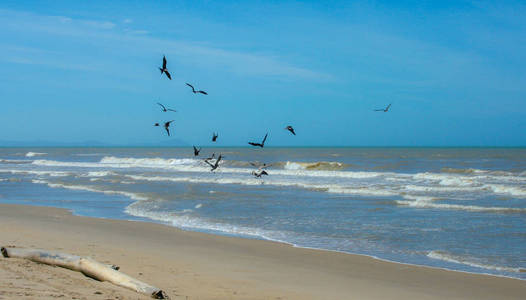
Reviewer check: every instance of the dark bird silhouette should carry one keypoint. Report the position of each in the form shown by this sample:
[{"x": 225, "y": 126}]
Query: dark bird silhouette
[
  {"x": 194, "y": 91},
  {"x": 164, "y": 69},
  {"x": 262, "y": 144},
  {"x": 258, "y": 174},
  {"x": 214, "y": 137},
  {"x": 166, "y": 126},
  {"x": 384, "y": 109},
  {"x": 164, "y": 109},
  {"x": 211, "y": 157},
  {"x": 289, "y": 128},
  {"x": 214, "y": 165},
  {"x": 196, "y": 151}
]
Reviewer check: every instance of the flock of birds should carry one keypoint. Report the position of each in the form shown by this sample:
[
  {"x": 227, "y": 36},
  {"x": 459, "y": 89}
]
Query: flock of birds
[{"x": 210, "y": 160}]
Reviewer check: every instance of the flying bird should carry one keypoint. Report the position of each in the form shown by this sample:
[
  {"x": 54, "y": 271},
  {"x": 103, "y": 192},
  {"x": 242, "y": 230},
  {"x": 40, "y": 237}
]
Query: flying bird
[
  {"x": 214, "y": 137},
  {"x": 164, "y": 69},
  {"x": 214, "y": 165},
  {"x": 194, "y": 91},
  {"x": 262, "y": 144},
  {"x": 164, "y": 109},
  {"x": 384, "y": 109},
  {"x": 289, "y": 128},
  {"x": 166, "y": 126},
  {"x": 196, "y": 151},
  {"x": 211, "y": 157},
  {"x": 258, "y": 174}
]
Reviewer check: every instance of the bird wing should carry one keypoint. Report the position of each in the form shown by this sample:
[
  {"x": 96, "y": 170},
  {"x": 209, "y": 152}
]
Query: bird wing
[
  {"x": 388, "y": 106},
  {"x": 191, "y": 86},
  {"x": 253, "y": 144},
  {"x": 203, "y": 92},
  {"x": 168, "y": 74},
  {"x": 379, "y": 110},
  {"x": 161, "y": 105},
  {"x": 195, "y": 149},
  {"x": 164, "y": 62},
  {"x": 218, "y": 160},
  {"x": 172, "y": 109},
  {"x": 263, "y": 173},
  {"x": 292, "y": 130},
  {"x": 208, "y": 163},
  {"x": 264, "y": 139},
  {"x": 167, "y": 130}
]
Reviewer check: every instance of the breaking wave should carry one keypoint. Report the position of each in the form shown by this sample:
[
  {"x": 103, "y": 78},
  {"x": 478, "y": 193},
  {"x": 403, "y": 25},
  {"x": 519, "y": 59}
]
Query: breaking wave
[
  {"x": 15, "y": 161},
  {"x": 320, "y": 165},
  {"x": 428, "y": 202},
  {"x": 330, "y": 188},
  {"x": 133, "y": 196},
  {"x": 469, "y": 261},
  {"x": 31, "y": 154}
]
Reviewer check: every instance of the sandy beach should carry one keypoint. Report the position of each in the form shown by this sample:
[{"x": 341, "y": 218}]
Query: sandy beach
[{"x": 189, "y": 265}]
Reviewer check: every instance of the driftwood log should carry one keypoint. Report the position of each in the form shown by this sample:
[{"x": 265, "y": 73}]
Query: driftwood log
[{"x": 86, "y": 266}]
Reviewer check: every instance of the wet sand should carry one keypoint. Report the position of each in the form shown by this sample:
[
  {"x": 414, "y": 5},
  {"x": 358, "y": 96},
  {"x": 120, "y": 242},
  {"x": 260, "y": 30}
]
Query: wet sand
[{"x": 190, "y": 265}]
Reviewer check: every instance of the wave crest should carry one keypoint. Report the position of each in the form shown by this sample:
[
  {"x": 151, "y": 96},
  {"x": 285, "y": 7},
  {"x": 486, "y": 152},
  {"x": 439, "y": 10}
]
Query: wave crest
[
  {"x": 319, "y": 165},
  {"x": 469, "y": 261},
  {"x": 31, "y": 154}
]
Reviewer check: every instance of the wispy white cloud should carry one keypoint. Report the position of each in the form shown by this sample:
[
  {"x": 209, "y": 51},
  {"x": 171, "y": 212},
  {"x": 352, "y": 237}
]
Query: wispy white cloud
[{"x": 108, "y": 33}]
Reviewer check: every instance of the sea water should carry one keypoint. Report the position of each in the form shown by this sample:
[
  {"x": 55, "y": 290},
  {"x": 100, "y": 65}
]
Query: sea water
[{"x": 456, "y": 208}]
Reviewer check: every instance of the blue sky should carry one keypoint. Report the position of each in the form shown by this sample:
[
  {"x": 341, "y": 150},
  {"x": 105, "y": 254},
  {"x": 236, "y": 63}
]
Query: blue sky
[{"x": 454, "y": 71}]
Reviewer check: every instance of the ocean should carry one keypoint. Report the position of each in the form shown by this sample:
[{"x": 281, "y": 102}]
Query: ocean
[{"x": 456, "y": 208}]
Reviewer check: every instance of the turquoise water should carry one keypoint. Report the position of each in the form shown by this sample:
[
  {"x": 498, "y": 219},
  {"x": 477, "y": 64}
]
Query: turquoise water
[{"x": 456, "y": 208}]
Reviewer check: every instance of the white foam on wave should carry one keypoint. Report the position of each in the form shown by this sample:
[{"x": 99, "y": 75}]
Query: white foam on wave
[
  {"x": 441, "y": 189},
  {"x": 40, "y": 173},
  {"x": 445, "y": 256},
  {"x": 193, "y": 165},
  {"x": 54, "y": 163},
  {"x": 15, "y": 161},
  {"x": 149, "y": 162},
  {"x": 185, "y": 221},
  {"x": 427, "y": 202},
  {"x": 330, "y": 188},
  {"x": 133, "y": 196},
  {"x": 31, "y": 154},
  {"x": 100, "y": 174},
  {"x": 505, "y": 189}
]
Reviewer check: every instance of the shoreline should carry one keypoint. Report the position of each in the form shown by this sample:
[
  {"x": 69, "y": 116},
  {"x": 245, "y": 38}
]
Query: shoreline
[{"x": 247, "y": 268}]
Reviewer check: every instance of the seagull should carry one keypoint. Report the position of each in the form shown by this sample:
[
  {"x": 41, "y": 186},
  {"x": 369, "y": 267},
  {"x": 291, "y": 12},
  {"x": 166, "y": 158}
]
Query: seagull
[
  {"x": 289, "y": 128},
  {"x": 164, "y": 69},
  {"x": 214, "y": 137},
  {"x": 164, "y": 109},
  {"x": 196, "y": 151},
  {"x": 261, "y": 172},
  {"x": 166, "y": 126},
  {"x": 215, "y": 165},
  {"x": 258, "y": 144},
  {"x": 211, "y": 157},
  {"x": 194, "y": 91},
  {"x": 384, "y": 110}
]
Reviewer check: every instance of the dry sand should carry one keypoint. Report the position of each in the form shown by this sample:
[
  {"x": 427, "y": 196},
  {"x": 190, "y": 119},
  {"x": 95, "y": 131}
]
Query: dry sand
[{"x": 189, "y": 265}]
